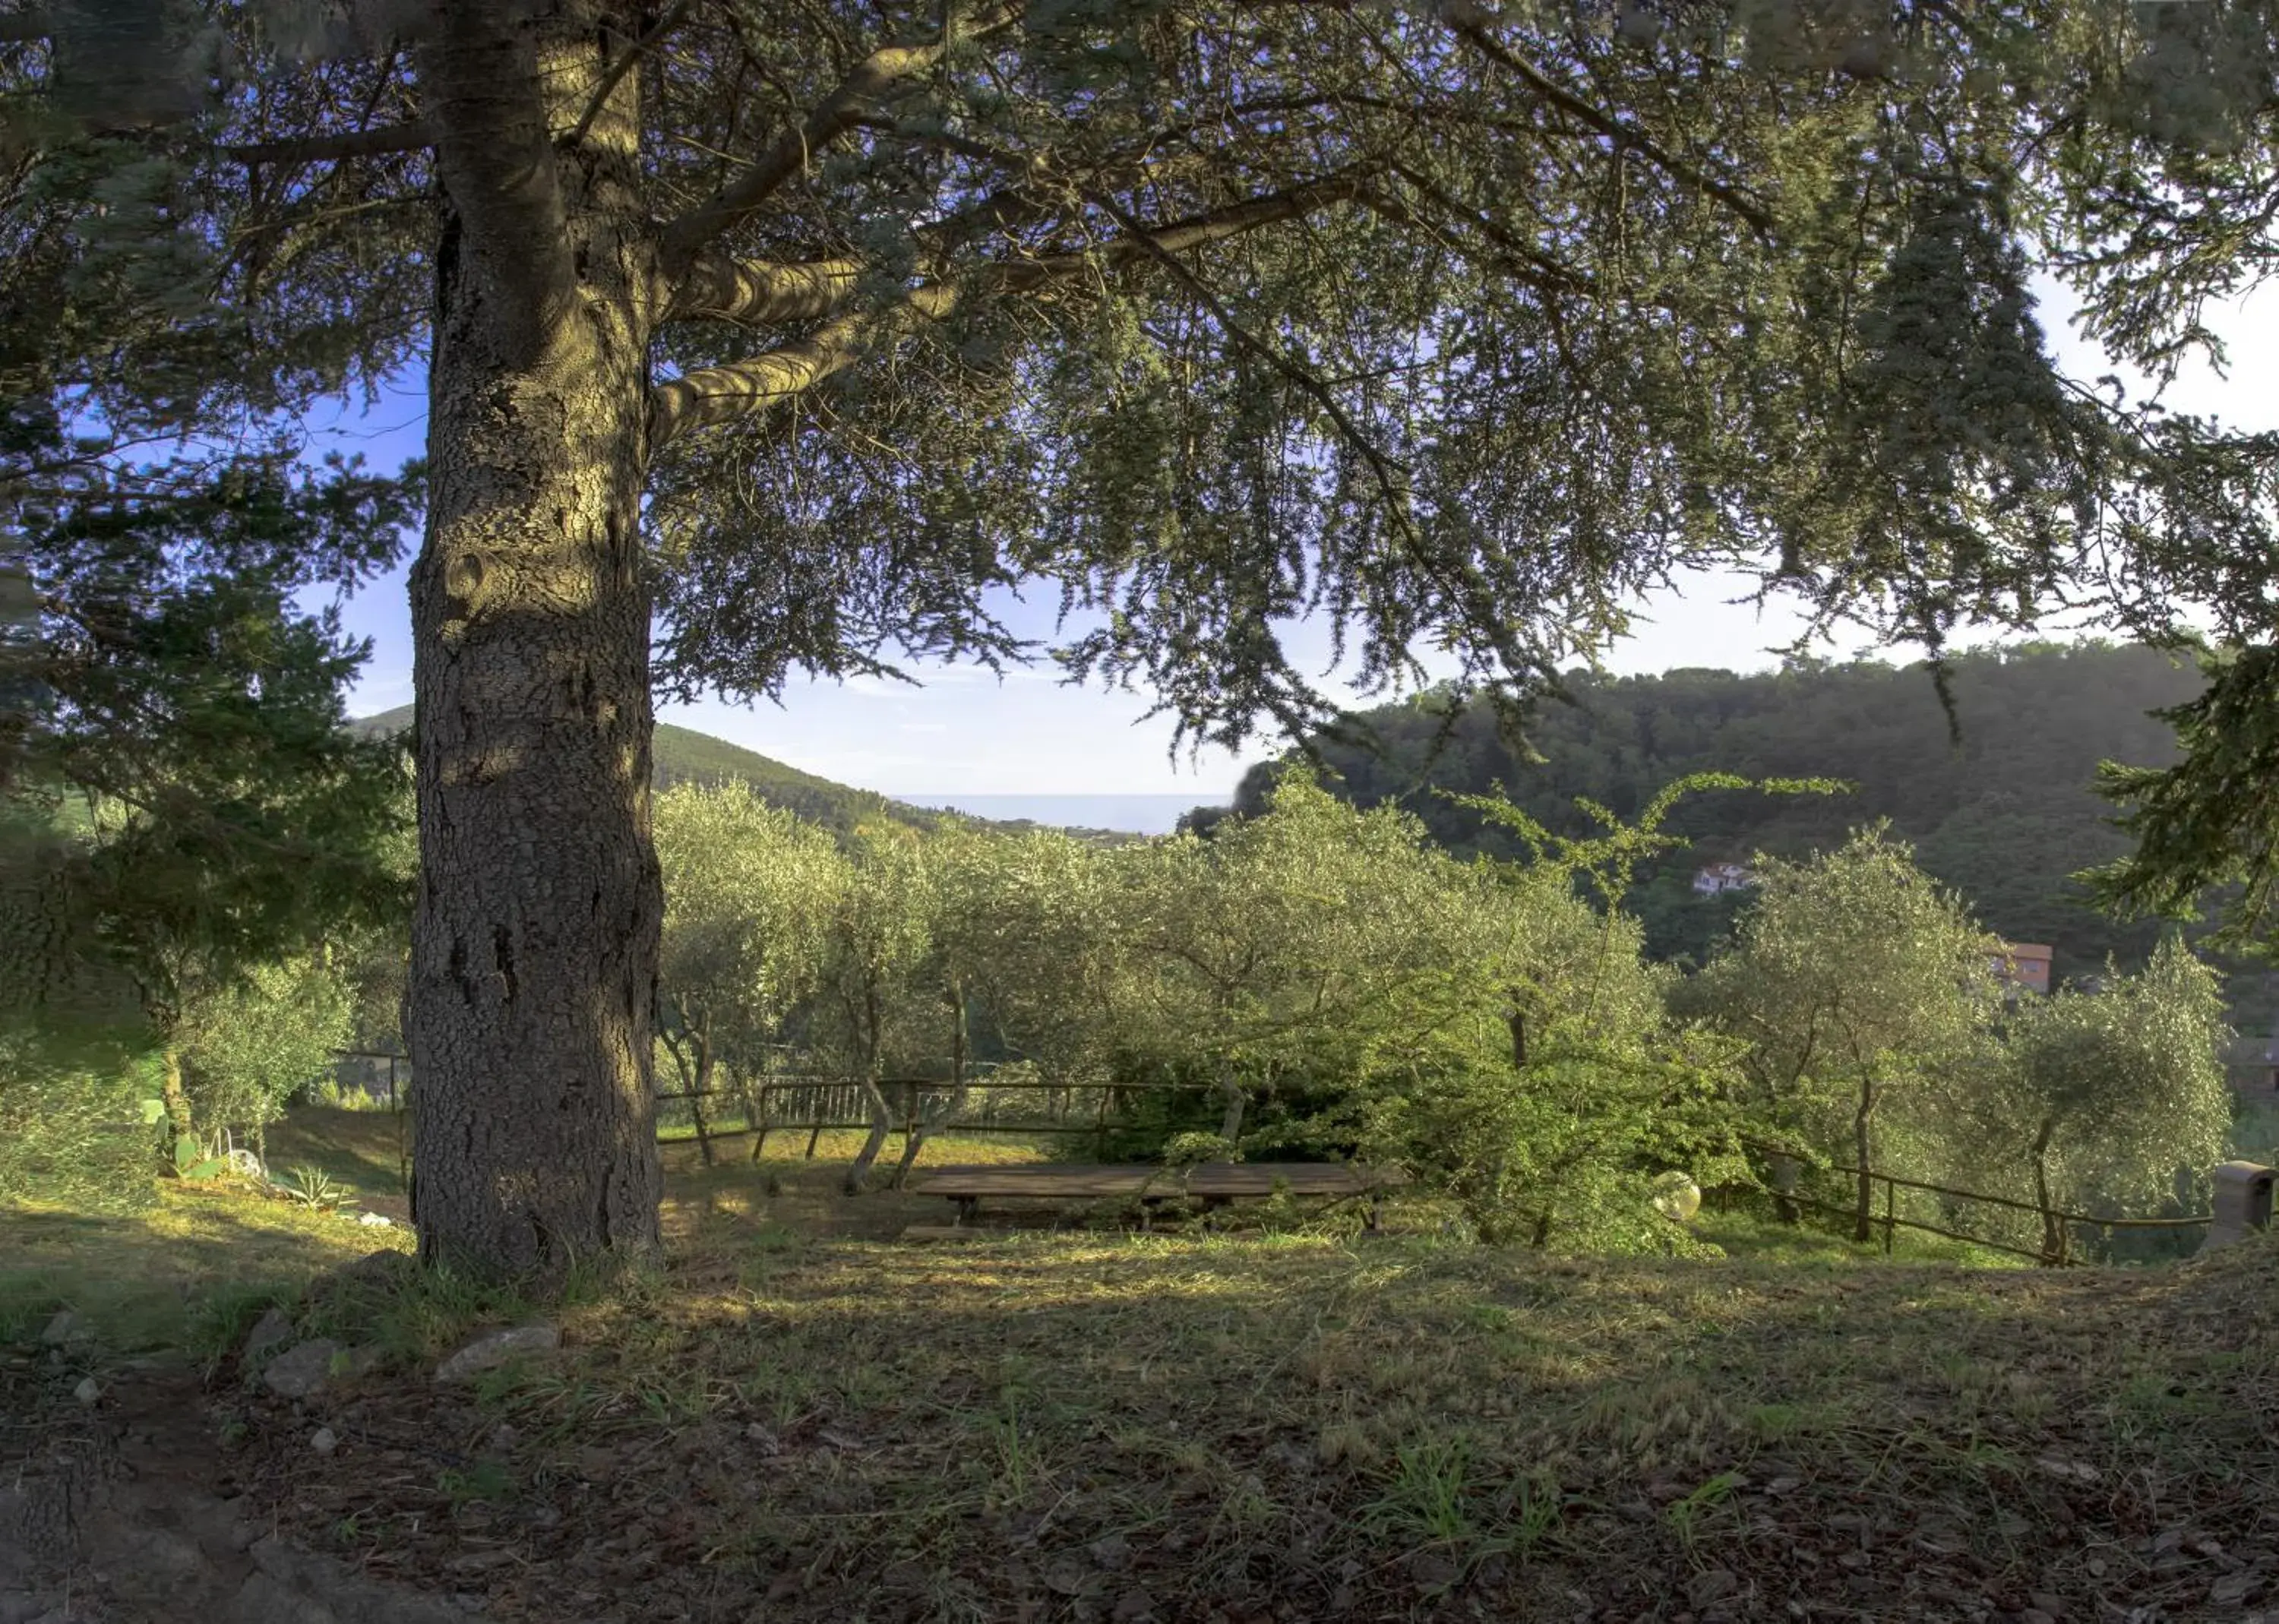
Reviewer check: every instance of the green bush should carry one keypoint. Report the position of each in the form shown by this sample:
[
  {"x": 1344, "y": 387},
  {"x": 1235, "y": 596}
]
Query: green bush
[{"x": 76, "y": 1128}]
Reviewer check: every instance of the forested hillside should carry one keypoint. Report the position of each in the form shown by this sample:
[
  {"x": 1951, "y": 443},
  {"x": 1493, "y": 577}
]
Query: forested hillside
[
  {"x": 2006, "y": 812},
  {"x": 682, "y": 755}
]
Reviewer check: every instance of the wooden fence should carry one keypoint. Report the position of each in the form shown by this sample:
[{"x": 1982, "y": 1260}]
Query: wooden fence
[
  {"x": 2056, "y": 1221},
  {"x": 815, "y": 1104}
]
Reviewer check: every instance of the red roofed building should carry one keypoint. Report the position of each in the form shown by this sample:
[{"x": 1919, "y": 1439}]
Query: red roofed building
[{"x": 2023, "y": 965}]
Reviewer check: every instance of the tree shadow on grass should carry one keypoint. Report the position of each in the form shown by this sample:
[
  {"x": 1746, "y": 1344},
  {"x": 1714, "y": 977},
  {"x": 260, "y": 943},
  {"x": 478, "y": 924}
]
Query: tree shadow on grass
[{"x": 1075, "y": 1427}]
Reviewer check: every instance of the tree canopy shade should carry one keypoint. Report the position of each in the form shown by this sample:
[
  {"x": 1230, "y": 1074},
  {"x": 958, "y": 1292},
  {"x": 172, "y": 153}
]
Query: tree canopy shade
[{"x": 788, "y": 331}]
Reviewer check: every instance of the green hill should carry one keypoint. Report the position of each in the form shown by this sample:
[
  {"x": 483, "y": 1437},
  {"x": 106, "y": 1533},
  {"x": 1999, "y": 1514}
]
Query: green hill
[
  {"x": 682, "y": 755},
  {"x": 2006, "y": 812}
]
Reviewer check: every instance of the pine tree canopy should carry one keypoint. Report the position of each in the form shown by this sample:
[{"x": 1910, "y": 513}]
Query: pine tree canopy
[
  {"x": 177, "y": 782},
  {"x": 1461, "y": 325}
]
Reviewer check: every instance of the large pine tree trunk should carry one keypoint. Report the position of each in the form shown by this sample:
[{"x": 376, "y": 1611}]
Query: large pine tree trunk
[{"x": 534, "y": 945}]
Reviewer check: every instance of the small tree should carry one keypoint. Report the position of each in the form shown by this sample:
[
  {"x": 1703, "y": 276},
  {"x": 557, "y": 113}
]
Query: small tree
[
  {"x": 877, "y": 939},
  {"x": 1852, "y": 978},
  {"x": 1280, "y": 941},
  {"x": 250, "y": 1042},
  {"x": 748, "y": 888},
  {"x": 1025, "y": 938},
  {"x": 2108, "y": 1093}
]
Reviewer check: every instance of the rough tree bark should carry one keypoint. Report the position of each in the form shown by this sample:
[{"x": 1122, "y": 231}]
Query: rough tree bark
[{"x": 534, "y": 943}]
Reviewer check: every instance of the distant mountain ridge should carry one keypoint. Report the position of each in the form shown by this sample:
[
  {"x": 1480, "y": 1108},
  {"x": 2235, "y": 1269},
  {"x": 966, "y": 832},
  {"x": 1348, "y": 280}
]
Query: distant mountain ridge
[{"x": 683, "y": 755}]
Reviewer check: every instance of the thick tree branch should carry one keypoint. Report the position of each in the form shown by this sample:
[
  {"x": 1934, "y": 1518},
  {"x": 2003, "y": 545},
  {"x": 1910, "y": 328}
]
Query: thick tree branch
[
  {"x": 876, "y": 76},
  {"x": 1196, "y": 231},
  {"x": 1622, "y": 135},
  {"x": 714, "y": 395},
  {"x": 412, "y": 137},
  {"x": 752, "y": 292}
]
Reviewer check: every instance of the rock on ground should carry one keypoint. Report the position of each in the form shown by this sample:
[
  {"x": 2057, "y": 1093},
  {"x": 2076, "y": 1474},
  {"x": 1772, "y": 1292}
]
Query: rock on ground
[
  {"x": 495, "y": 1348},
  {"x": 272, "y": 1330},
  {"x": 300, "y": 1371}
]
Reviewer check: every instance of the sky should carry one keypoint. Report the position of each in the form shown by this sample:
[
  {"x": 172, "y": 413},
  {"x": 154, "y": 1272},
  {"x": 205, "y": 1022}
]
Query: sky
[{"x": 964, "y": 731}]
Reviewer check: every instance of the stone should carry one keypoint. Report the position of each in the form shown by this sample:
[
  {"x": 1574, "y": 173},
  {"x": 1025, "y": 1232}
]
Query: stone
[
  {"x": 324, "y": 1440},
  {"x": 156, "y": 1567},
  {"x": 493, "y": 1349},
  {"x": 262, "y": 1600},
  {"x": 271, "y": 1331},
  {"x": 1431, "y": 1572},
  {"x": 318, "y": 1589},
  {"x": 63, "y": 1328},
  {"x": 301, "y": 1371},
  {"x": 88, "y": 1390}
]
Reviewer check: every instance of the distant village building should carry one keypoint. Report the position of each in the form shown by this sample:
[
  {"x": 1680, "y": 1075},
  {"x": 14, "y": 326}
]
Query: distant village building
[
  {"x": 1720, "y": 878},
  {"x": 2023, "y": 966}
]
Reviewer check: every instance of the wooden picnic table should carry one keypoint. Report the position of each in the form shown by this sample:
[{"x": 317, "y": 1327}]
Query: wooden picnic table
[{"x": 1212, "y": 1182}]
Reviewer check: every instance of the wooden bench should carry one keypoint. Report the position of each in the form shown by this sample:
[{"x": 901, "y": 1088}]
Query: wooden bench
[
  {"x": 1214, "y": 1183},
  {"x": 969, "y": 1186}
]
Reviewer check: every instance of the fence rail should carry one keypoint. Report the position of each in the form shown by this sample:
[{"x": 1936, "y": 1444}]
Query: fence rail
[
  {"x": 2057, "y": 1222},
  {"x": 826, "y": 1102}
]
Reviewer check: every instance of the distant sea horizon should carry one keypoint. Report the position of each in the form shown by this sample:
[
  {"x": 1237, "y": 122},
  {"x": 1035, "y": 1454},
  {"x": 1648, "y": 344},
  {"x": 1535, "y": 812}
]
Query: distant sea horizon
[{"x": 1151, "y": 815}]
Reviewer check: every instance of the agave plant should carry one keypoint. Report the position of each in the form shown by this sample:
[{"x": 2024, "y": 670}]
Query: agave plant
[{"x": 314, "y": 1188}]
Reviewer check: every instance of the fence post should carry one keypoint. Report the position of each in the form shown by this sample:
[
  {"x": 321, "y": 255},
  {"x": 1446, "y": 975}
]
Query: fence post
[
  {"x": 2243, "y": 1203},
  {"x": 1890, "y": 1226}
]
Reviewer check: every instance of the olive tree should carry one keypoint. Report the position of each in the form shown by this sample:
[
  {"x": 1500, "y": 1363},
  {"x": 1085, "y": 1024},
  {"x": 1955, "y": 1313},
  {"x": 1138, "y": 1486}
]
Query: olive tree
[
  {"x": 1856, "y": 981},
  {"x": 1025, "y": 938},
  {"x": 1266, "y": 950},
  {"x": 748, "y": 888},
  {"x": 2106, "y": 1094},
  {"x": 875, "y": 998},
  {"x": 246, "y": 1044}
]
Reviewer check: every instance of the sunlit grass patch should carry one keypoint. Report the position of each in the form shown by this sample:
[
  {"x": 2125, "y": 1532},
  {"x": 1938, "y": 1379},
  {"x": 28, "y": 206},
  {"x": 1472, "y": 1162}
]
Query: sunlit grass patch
[{"x": 182, "y": 1271}]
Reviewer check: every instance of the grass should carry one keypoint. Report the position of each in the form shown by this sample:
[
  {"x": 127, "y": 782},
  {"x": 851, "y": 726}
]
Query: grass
[
  {"x": 1364, "y": 1428},
  {"x": 185, "y": 1271},
  {"x": 801, "y": 1417}
]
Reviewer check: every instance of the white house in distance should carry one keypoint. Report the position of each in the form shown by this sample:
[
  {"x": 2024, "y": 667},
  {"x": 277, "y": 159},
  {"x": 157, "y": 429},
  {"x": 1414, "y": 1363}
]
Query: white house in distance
[{"x": 1720, "y": 878}]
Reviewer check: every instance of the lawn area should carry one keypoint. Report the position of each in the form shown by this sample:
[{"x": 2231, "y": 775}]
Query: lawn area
[
  {"x": 801, "y": 1416},
  {"x": 1092, "y": 1426}
]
